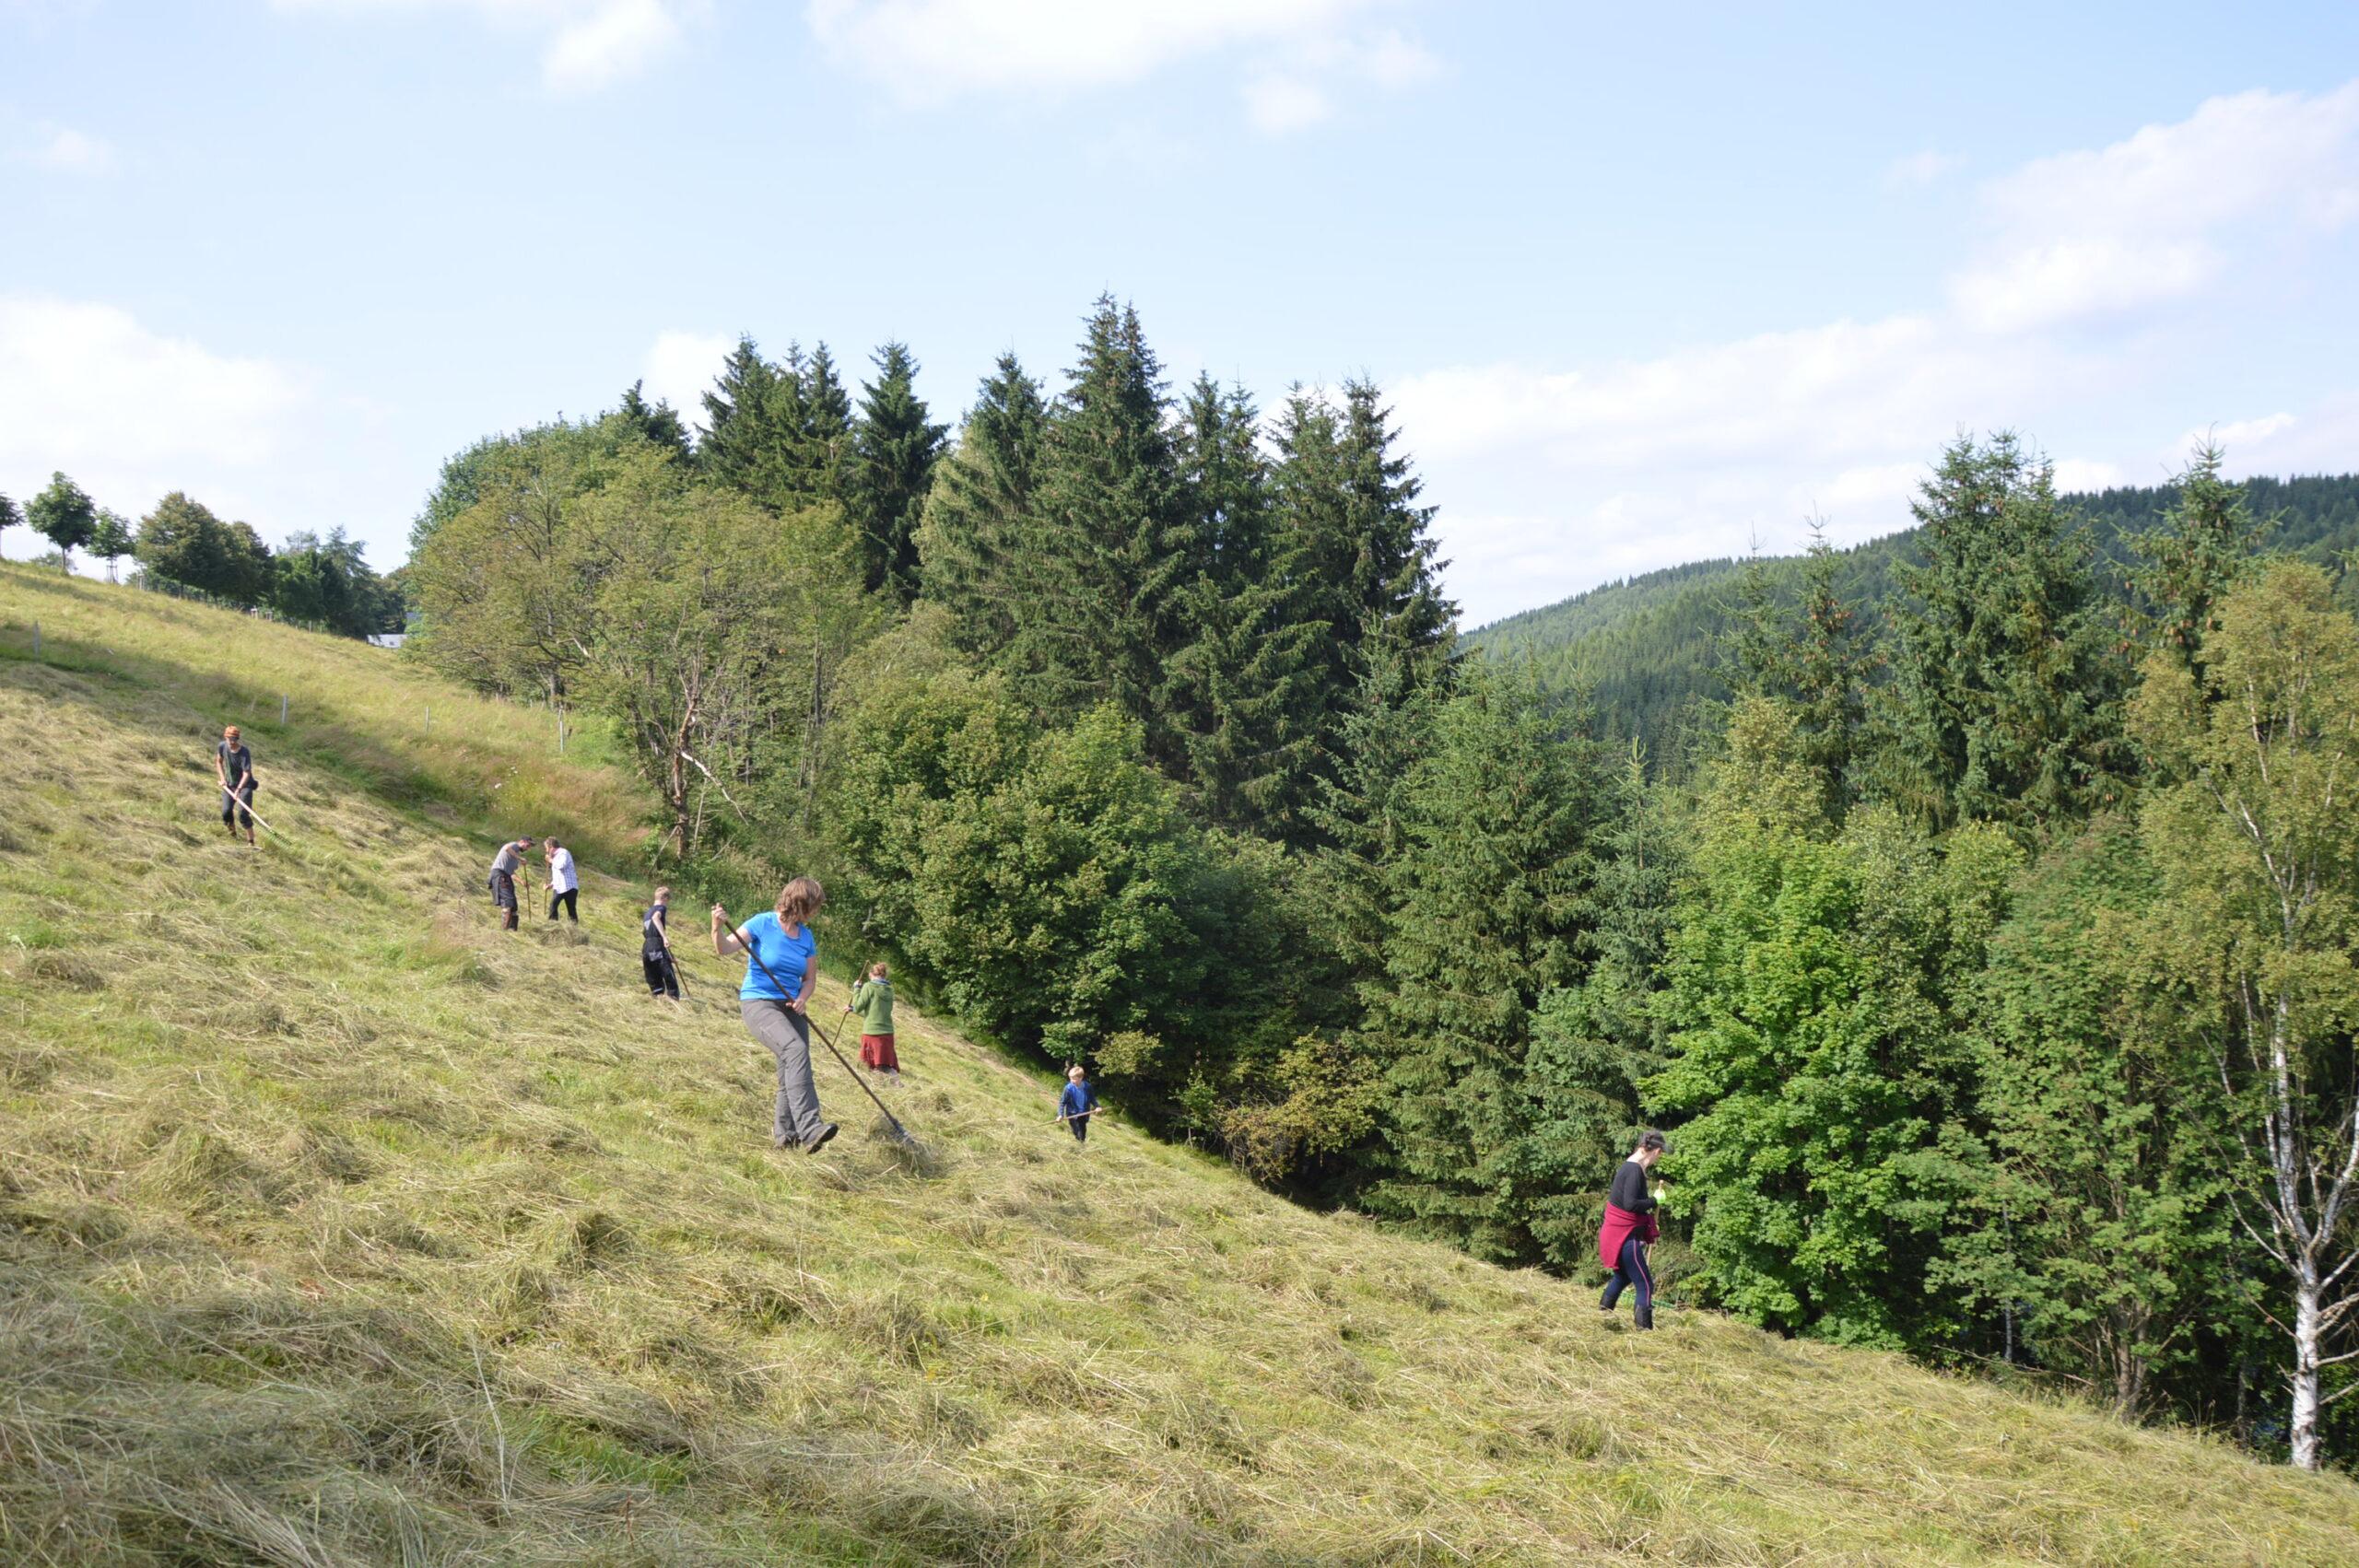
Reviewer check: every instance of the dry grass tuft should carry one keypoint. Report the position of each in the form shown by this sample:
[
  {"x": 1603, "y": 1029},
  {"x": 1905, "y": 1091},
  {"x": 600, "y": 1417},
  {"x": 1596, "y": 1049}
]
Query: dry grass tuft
[{"x": 337, "y": 1227}]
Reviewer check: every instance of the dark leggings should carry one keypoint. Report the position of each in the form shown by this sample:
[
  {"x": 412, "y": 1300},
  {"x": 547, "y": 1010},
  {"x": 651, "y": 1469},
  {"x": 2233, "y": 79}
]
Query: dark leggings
[
  {"x": 565, "y": 898},
  {"x": 1630, "y": 1269},
  {"x": 233, "y": 807},
  {"x": 659, "y": 978}
]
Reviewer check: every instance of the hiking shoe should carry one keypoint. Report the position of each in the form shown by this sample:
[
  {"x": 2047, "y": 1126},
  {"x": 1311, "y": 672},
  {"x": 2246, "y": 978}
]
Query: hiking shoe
[{"x": 819, "y": 1138}]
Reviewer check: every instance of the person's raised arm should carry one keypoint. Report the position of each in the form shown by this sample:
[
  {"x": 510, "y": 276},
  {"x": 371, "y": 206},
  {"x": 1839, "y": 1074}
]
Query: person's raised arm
[{"x": 726, "y": 942}]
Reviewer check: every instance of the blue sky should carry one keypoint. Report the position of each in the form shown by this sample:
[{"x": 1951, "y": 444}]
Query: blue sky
[{"x": 1643, "y": 288}]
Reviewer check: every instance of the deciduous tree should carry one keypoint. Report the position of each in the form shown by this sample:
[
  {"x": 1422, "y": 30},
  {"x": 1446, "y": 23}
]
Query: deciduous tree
[{"x": 2254, "y": 834}]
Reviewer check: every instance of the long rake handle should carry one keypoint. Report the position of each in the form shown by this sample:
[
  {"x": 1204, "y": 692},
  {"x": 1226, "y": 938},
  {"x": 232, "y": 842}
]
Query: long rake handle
[
  {"x": 240, "y": 803},
  {"x": 902, "y": 1132}
]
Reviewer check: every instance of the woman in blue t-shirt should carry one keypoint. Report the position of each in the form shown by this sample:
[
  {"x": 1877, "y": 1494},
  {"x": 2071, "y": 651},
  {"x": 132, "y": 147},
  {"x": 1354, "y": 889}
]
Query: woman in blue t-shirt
[{"x": 783, "y": 965}]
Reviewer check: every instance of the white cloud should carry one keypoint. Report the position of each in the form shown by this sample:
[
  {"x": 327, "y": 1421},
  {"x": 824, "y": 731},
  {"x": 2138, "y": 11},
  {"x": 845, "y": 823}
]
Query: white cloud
[
  {"x": 2046, "y": 284},
  {"x": 1553, "y": 479},
  {"x": 1293, "y": 50},
  {"x": 132, "y": 413},
  {"x": 1392, "y": 61},
  {"x": 1278, "y": 103},
  {"x": 2074, "y": 474},
  {"x": 587, "y": 44},
  {"x": 681, "y": 365},
  {"x": 1922, "y": 168},
  {"x": 2152, "y": 218},
  {"x": 610, "y": 41},
  {"x": 2240, "y": 436},
  {"x": 68, "y": 151}
]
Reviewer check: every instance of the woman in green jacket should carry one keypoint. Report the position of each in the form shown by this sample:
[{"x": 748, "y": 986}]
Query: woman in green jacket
[{"x": 873, "y": 1000}]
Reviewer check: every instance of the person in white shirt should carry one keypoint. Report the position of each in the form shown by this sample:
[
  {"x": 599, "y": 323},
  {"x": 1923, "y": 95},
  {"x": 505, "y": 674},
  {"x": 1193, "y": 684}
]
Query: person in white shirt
[{"x": 565, "y": 884}]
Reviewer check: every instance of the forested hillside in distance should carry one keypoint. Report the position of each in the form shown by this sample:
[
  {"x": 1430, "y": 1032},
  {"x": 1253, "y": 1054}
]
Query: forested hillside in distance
[{"x": 1650, "y": 648}]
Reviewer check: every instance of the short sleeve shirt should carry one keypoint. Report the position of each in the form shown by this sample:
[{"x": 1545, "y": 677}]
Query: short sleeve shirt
[
  {"x": 236, "y": 762},
  {"x": 787, "y": 956}
]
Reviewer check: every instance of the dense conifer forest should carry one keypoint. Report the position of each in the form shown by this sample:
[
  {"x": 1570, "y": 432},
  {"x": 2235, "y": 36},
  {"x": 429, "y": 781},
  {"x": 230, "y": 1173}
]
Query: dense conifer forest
[
  {"x": 1976, "y": 910},
  {"x": 1649, "y": 651}
]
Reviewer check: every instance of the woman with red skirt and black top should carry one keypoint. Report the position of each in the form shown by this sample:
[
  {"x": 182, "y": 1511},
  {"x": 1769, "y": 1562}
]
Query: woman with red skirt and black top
[{"x": 1629, "y": 1226}]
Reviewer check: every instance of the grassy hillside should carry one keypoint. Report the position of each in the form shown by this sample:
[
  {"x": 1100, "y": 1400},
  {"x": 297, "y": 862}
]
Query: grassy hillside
[
  {"x": 1647, "y": 648},
  {"x": 337, "y": 1227}
]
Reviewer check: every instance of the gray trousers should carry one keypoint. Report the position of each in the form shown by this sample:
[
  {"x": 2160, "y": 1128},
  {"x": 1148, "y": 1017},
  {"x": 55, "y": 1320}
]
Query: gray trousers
[{"x": 788, "y": 1034}]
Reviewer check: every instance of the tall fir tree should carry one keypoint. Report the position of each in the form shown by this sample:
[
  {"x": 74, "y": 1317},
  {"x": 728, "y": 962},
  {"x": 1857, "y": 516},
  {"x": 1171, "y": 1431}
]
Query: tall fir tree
[
  {"x": 1350, "y": 541},
  {"x": 1490, "y": 899},
  {"x": 822, "y": 421},
  {"x": 1311, "y": 542},
  {"x": 2009, "y": 673},
  {"x": 1594, "y": 1044},
  {"x": 2102, "y": 1204},
  {"x": 1361, "y": 807},
  {"x": 1242, "y": 691},
  {"x": 894, "y": 448},
  {"x": 2202, "y": 547},
  {"x": 1108, "y": 557},
  {"x": 658, "y": 421},
  {"x": 1811, "y": 658},
  {"x": 1395, "y": 576},
  {"x": 744, "y": 445},
  {"x": 980, "y": 508}
]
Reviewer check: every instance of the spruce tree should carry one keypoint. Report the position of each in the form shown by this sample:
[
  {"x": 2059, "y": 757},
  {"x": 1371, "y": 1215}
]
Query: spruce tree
[
  {"x": 980, "y": 508},
  {"x": 2201, "y": 548},
  {"x": 1350, "y": 537},
  {"x": 1312, "y": 550},
  {"x": 1595, "y": 1043},
  {"x": 742, "y": 443},
  {"x": 1111, "y": 553},
  {"x": 821, "y": 419},
  {"x": 658, "y": 421},
  {"x": 1395, "y": 579},
  {"x": 1360, "y": 808},
  {"x": 1812, "y": 659},
  {"x": 1242, "y": 690},
  {"x": 64, "y": 515},
  {"x": 1490, "y": 898},
  {"x": 2005, "y": 704},
  {"x": 895, "y": 449}
]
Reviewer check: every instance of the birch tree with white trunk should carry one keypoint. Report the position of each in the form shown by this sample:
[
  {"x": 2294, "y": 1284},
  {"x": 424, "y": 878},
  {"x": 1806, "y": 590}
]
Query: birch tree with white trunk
[{"x": 2254, "y": 823}]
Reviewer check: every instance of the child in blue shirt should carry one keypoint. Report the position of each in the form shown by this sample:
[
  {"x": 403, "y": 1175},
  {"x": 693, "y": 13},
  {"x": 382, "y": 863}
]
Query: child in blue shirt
[{"x": 1078, "y": 1101}]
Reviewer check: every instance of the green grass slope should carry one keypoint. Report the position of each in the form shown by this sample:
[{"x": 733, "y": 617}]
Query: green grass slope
[{"x": 337, "y": 1227}]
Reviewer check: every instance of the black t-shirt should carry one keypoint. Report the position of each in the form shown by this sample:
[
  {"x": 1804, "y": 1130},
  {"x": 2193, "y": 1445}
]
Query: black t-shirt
[
  {"x": 651, "y": 927},
  {"x": 1629, "y": 1190},
  {"x": 236, "y": 762}
]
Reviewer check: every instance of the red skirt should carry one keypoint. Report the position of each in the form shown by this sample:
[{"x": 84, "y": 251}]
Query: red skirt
[{"x": 877, "y": 1051}]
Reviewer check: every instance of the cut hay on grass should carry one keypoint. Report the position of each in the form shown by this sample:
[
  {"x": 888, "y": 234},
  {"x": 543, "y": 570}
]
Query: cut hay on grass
[{"x": 337, "y": 1227}]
